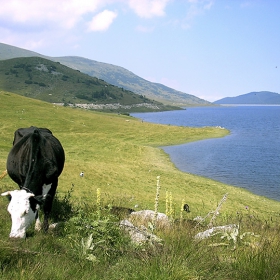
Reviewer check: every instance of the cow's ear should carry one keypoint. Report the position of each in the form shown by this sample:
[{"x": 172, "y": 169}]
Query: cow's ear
[
  {"x": 8, "y": 195},
  {"x": 33, "y": 203},
  {"x": 38, "y": 199}
]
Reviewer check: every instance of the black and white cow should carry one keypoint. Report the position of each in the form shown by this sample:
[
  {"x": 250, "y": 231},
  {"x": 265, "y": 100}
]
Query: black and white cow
[{"x": 35, "y": 162}]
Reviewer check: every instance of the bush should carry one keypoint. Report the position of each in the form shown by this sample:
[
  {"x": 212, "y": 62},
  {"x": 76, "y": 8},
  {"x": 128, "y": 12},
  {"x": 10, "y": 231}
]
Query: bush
[{"x": 64, "y": 78}]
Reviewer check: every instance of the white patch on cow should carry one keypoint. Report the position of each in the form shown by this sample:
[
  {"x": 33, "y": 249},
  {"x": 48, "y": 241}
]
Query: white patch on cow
[
  {"x": 46, "y": 189},
  {"x": 20, "y": 211},
  {"x": 38, "y": 224}
]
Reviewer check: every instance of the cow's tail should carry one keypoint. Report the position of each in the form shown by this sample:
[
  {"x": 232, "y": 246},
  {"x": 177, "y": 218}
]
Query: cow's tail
[
  {"x": 32, "y": 151},
  {"x": 35, "y": 140},
  {"x": 36, "y": 134}
]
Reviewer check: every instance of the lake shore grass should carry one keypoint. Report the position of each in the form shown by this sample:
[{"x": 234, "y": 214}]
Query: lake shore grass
[{"x": 120, "y": 156}]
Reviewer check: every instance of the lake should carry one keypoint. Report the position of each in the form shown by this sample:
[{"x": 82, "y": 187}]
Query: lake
[{"x": 249, "y": 157}]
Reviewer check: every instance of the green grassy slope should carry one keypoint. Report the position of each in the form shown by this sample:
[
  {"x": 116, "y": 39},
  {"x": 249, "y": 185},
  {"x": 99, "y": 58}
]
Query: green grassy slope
[
  {"x": 121, "y": 77},
  {"x": 118, "y": 154},
  {"x": 50, "y": 81},
  {"x": 8, "y": 52}
]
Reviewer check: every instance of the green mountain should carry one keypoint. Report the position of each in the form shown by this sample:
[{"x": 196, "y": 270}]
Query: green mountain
[
  {"x": 261, "y": 97},
  {"x": 114, "y": 75},
  {"x": 121, "y": 77},
  {"x": 43, "y": 79}
]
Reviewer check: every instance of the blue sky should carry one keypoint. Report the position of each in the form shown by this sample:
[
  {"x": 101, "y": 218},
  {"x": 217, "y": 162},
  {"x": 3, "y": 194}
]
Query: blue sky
[{"x": 209, "y": 48}]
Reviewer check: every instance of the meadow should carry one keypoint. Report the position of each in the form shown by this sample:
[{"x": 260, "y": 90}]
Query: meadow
[{"x": 120, "y": 156}]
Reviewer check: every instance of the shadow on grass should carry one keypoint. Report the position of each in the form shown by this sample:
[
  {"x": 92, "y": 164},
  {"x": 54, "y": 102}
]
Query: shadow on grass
[{"x": 63, "y": 208}]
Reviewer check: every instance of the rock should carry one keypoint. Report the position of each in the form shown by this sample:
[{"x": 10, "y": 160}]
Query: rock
[
  {"x": 146, "y": 216},
  {"x": 139, "y": 235}
]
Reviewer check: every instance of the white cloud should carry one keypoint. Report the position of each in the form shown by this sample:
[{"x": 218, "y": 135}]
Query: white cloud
[
  {"x": 37, "y": 24},
  {"x": 196, "y": 8},
  {"x": 42, "y": 24},
  {"x": 102, "y": 21},
  {"x": 65, "y": 13},
  {"x": 26, "y": 41},
  {"x": 208, "y": 5},
  {"x": 148, "y": 8}
]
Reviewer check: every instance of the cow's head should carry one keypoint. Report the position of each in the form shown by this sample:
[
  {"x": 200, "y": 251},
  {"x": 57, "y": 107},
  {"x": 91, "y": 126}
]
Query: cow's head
[{"x": 23, "y": 210}]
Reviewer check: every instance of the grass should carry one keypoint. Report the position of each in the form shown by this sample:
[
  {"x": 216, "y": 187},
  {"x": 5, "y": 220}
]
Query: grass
[{"x": 119, "y": 155}]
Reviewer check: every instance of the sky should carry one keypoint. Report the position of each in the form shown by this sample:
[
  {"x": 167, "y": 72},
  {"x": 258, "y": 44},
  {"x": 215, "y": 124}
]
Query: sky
[{"x": 208, "y": 48}]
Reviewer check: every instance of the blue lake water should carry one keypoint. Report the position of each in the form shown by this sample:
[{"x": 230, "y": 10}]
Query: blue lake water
[{"x": 249, "y": 157}]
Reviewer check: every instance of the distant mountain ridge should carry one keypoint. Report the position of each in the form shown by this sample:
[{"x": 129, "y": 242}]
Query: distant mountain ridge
[
  {"x": 44, "y": 79},
  {"x": 260, "y": 97},
  {"x": 122, "y": 77},
  {"x": 114, "y": 75}
]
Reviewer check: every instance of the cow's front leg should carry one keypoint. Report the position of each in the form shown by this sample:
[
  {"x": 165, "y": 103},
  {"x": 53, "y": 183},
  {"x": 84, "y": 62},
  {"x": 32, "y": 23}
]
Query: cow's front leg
[
  {"x": 47, "y": 206},
  {"x": 46, "y": 222},
  {"x": 38, "y": 225}
]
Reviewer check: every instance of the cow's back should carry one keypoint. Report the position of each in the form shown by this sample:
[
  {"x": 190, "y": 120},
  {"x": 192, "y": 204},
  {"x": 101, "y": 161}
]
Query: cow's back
[
  {"x": 22, "y": 132},
  {"x": 36, "y": 158}
]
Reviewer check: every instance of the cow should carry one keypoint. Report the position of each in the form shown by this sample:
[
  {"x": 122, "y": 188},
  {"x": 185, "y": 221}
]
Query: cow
[{"x": 35, "y": 162}]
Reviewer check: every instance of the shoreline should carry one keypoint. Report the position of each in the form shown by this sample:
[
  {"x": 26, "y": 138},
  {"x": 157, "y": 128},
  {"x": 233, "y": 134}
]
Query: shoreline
[{"x": 228, "y": 173}]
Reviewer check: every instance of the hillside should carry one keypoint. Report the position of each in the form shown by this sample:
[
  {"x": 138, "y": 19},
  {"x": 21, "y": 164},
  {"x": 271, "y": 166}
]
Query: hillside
[
  {"x": 121, "y": 77},
  {"x": 120, "y": 158},
  {"x": 261, "y": 97},
  {"x": 114, "y": 75},
  {"x": 43, "y": 79},
  {"x": 8, "y": 51}
]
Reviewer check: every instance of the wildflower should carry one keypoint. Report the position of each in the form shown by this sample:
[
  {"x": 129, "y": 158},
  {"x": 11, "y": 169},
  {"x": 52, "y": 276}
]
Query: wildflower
[
  {"x": 171, "y": 209},
  {"x": 98, "y": 202},
  {"x": 98, "y": 197},
  {"x": 182, "y": 209},
  {"x": 167, "y": 210},
  {"x": 156, "y": 202}
]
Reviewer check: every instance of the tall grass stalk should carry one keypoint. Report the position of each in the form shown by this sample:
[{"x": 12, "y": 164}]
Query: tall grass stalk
[
  {"x": 182, "y": 210},
  {"x": 98, "y": 202},
  {"x": 216, "y": 212},
  {"x": 171, "y": 206},
  {"x": 156, "y": 204},
  {"x": 167, "y": 211}
]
